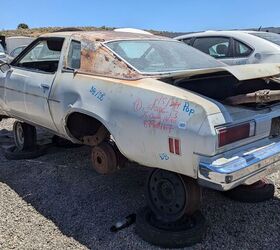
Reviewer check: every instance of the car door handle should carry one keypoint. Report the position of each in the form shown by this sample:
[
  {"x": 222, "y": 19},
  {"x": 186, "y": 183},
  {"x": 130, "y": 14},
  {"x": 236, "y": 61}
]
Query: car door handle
[{"x": 45, "y": 86}]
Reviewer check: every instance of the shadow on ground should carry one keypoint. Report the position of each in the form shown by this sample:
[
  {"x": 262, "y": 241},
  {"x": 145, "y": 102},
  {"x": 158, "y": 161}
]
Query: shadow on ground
[{"x": 62, "y": 187}]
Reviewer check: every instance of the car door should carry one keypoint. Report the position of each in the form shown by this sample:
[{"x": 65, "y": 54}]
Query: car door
[
  {"x": 218, "y": 47},
  {"x": 30, "y": 79}
]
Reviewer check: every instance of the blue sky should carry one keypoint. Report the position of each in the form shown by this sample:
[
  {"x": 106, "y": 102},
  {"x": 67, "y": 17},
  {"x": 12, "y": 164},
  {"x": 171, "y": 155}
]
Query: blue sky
[{"x": 176, "y": 15}]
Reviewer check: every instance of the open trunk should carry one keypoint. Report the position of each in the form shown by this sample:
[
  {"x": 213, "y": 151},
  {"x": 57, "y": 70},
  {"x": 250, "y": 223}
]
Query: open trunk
[{"x": 230, "y": 88}]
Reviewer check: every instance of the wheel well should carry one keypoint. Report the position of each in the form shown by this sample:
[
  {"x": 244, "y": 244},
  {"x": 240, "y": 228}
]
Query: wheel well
[{"x": 80, "y": 125}]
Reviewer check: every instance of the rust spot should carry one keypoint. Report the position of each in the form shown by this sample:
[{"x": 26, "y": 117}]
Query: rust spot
[{"x": 97, "y": 59}]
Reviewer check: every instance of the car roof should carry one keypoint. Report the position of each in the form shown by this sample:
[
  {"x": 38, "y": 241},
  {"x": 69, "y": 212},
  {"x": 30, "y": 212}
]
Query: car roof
[
  {"x": 245, "y": 36},
  {"x": 220, "y": 33},
  {"x": 105, "y": 35}
]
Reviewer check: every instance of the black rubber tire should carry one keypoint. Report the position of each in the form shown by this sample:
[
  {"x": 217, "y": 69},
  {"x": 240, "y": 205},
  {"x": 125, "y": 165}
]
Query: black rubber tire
[
  {"x": 29, "y": 135},
  {"x": 252, "y": 193},
  {"x": 12, "y": 153},
  {"x": 188, "y": 235}
]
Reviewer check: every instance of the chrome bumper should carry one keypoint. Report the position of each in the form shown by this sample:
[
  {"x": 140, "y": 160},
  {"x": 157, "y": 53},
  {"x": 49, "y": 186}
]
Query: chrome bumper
[{"x": 243, "y": 168}]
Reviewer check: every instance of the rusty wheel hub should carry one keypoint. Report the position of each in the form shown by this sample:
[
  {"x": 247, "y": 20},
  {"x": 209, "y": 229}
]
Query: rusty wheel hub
[{"x": 104, "y": 159}]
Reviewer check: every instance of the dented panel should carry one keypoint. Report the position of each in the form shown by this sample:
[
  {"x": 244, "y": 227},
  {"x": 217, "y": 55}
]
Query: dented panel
[
  {"x": 153, "y": 123},
  {"x": 98, "y": 60}
]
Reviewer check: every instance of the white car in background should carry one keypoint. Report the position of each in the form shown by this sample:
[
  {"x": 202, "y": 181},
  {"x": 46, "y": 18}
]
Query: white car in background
[
  {"x": 237, "y": 47},
  {"x": 3, "y": 56}
]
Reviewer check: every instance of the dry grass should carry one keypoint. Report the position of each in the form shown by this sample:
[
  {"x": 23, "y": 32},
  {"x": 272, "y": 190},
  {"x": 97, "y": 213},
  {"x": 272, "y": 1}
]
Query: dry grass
[{"x": 35, "y": 32}]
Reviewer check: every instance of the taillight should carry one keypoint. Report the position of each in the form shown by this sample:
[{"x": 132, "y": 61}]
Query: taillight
[{"x": 235, "y": 133}]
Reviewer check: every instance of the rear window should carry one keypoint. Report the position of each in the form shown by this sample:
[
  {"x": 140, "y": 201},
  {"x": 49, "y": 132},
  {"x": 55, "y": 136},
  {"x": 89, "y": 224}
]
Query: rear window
[
  {"x": 272, "y": 37},
  {"x": 156, "y": 56}
]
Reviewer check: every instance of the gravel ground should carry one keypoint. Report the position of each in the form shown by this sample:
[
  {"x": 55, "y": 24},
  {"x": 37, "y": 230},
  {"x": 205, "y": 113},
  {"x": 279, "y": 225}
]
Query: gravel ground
[{"x": 58, "y": 202}]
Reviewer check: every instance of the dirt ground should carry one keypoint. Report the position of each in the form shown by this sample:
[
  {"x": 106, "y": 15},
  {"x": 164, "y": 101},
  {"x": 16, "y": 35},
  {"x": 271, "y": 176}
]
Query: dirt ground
[{"x": 59, "y": 202}]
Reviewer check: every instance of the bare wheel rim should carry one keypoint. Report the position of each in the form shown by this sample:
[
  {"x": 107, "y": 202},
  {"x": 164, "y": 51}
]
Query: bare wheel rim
[
  {"x": 104, "y": 158},
  {"x": 167, "y": 195},
  {"x": 19, "y": 135},
  {"x": 99, "y": 159}
]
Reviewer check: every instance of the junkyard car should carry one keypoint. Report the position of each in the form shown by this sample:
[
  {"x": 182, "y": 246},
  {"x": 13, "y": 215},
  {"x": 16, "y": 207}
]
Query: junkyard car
[
  {"x": 159, "y": 102},
  {"x": 237, "y": 47}
]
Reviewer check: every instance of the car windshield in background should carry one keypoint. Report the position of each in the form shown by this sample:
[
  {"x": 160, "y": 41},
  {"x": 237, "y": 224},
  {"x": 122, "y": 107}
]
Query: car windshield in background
[
  {"x": 272, "y": 37},
  {"x": 158, "y": 56}
]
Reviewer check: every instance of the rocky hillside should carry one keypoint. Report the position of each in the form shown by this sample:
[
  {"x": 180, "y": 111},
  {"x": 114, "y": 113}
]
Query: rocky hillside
[{"x": 38, "y": 31}]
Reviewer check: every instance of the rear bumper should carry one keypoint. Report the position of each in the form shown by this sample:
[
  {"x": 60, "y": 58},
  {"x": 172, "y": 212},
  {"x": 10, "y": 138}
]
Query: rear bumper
[{"x": 241, "y": 168}]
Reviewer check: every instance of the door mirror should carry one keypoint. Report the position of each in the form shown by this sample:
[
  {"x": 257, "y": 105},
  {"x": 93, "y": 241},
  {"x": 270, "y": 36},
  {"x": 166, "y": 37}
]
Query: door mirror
[{"x": 5, "y": 67}]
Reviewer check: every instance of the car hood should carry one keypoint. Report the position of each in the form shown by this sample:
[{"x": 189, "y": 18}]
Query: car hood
[{"x": 241, "y": 72}]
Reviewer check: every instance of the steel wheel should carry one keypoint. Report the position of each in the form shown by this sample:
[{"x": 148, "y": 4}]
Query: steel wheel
[
  {"x": 104, "y": 158},
  {"x": 171, "y": 196},
  {"x": 24, "y": 136}
]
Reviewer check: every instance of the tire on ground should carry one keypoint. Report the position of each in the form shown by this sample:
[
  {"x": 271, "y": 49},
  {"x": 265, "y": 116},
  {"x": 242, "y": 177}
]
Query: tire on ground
[
  {"x": 182, "y": 234},
  {"x": 27, "y": 133},
  {"x": 260, "y": 191},
  {"x": 12, "y": 153}
]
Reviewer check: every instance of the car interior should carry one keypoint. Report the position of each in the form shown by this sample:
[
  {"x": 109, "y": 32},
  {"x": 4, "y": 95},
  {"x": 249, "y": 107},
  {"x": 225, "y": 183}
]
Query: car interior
[{"x": 43, "y": 55}]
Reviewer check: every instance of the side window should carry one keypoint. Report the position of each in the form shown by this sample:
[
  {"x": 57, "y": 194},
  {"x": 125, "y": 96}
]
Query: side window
[
  {"x": 74, "y": 55},
  {"x": 187, "y": 40},
  {"x": 43, "y": 56},
  {"x": 218, "y": 47},
  {"x": 241, "y": 50},
  {"x": 16, "y": 51},
  {"x": 43, "y": 51}
]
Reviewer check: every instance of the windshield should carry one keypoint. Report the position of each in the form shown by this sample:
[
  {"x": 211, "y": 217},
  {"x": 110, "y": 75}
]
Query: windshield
[
  {"x": 1, "y": 49},
  {"x": 158, "y": 56},
  {"x": 272, "y": 37}
]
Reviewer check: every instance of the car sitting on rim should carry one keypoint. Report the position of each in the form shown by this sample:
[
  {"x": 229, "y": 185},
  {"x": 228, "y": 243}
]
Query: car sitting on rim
[{"x": 155, "y": 101}]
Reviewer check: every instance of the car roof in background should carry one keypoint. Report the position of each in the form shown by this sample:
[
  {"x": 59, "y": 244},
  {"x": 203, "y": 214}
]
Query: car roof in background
[
  {"x": 220, "y": 33},
  {"x": 106, "y": 35}
]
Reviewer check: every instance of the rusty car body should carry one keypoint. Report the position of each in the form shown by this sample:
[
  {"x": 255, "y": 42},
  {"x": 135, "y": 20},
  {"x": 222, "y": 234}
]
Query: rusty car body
[{"x": 88, "y": 85}]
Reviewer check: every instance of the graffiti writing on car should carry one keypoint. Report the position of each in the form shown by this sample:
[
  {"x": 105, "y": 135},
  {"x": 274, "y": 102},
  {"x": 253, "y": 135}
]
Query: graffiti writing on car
[
  {"x": 187, "y": 109},
  {"x": 182, "y": 125},
  {"x": 160, "y": 114},
  {"x": 164, "y": 156},
  {"x": 97, "y": 93}
]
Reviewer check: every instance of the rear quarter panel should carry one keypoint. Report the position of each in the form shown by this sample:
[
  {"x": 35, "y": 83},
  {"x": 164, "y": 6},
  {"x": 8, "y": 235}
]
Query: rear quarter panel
[{"x": 153, "y": 123}]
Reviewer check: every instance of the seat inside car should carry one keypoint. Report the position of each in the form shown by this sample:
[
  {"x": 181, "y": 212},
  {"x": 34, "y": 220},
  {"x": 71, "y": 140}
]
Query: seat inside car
[{"x": 222, "y": 49}]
